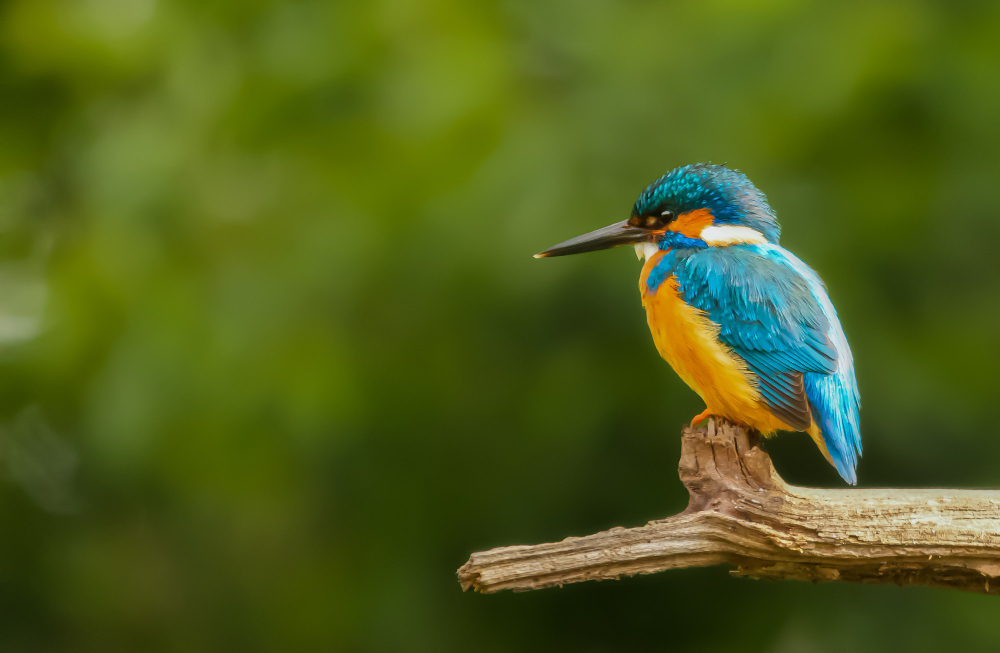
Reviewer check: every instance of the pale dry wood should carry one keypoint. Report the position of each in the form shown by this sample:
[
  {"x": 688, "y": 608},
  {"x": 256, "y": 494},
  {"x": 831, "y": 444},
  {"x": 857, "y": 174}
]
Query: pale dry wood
[{"x": 741, "y": 513}]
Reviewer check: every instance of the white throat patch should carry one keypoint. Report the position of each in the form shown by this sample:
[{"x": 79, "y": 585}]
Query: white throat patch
[{"x": 646, "y": 250}]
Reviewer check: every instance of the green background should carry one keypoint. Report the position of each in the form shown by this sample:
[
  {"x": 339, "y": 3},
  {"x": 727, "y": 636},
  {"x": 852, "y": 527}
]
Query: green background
[{"x": 275, "y": 357}]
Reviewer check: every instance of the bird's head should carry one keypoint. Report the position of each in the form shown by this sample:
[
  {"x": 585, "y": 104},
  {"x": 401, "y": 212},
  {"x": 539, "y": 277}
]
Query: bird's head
[{"x": 698, "y": 205}]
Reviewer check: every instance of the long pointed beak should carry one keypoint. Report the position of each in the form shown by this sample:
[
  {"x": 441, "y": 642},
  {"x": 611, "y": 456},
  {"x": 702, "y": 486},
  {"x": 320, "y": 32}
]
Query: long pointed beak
[{"x": 616, "y": 235}]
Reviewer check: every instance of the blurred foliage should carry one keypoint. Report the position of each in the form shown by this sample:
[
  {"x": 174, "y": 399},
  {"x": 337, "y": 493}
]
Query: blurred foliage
[{"x": 275, "y": 357}]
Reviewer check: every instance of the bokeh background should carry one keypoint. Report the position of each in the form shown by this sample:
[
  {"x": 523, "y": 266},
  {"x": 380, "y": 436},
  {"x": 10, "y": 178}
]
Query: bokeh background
[{"x": 275, "y": 357}]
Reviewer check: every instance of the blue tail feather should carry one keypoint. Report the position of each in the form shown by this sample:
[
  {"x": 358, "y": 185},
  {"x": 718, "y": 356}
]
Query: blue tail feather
[{"x": 835, "y": 407}]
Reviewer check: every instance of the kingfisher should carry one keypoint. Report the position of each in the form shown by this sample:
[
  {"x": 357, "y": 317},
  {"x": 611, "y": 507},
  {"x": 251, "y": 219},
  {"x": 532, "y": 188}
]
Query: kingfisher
[{"x": 744, "y": 323}]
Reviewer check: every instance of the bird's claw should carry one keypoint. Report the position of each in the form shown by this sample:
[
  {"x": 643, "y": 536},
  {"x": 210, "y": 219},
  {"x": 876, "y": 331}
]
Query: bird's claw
[{"x": 701, "y": 417}]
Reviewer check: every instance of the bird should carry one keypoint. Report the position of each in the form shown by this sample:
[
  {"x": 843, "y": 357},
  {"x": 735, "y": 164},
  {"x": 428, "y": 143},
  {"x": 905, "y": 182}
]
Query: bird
[{"x": 744, "y": 322}]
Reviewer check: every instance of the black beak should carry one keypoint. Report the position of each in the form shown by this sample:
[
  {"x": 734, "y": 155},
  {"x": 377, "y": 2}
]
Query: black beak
[{"x": 616, "y": 235}]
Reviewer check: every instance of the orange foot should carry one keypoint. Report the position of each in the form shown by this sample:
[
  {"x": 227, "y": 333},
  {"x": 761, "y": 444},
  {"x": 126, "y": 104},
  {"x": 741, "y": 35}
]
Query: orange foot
[{"x": 701, "y": 417}]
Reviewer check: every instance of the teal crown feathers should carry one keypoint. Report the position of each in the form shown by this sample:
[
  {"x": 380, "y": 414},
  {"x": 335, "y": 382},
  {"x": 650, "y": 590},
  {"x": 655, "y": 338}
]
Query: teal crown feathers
[{"x": 728, "y": 194}]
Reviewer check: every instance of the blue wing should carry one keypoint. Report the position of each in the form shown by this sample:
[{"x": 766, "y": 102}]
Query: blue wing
[{"x": 774, "y": 313}]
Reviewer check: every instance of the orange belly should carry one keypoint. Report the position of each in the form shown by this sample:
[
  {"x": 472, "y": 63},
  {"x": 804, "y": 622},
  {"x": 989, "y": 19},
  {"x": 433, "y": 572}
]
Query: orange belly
[{"x": 689, "y": 341}]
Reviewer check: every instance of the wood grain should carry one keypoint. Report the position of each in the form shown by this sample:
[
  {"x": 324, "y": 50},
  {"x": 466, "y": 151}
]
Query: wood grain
[{"x": 741, "y": 513}]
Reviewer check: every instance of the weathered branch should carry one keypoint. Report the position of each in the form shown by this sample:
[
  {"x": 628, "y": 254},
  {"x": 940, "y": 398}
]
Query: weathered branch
[{"x": 741, "y": 513}]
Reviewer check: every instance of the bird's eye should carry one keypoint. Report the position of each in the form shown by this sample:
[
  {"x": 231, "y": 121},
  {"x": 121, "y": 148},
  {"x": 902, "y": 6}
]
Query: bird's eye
[
  {"x": 651, "y": 221},
  {"x": 656, "y": 221}
]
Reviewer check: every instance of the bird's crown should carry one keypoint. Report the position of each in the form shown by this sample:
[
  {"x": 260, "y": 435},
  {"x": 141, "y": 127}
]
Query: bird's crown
[{"x": 731, "y": 198}]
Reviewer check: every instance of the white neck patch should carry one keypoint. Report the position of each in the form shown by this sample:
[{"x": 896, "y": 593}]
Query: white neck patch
[
  {"x": 646, "y": 250},
  {"x": 720, "y": 236}
]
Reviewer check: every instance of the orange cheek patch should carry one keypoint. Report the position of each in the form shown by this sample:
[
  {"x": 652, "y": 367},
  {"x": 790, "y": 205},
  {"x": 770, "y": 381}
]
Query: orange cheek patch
[{"x": 691, "y": 223}]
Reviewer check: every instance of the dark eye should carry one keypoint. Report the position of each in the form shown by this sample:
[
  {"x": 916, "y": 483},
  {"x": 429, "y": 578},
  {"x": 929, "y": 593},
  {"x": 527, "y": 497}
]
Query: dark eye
[
  {"x": 652, "y": 221},
  {"x": 656, "y": 221}
]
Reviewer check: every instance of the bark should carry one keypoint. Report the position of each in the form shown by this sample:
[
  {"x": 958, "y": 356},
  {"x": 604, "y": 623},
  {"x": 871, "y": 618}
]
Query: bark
[{"x": 741, "y": 513}]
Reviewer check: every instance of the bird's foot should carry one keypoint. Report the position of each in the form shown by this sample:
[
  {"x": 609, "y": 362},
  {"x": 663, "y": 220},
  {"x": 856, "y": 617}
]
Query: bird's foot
[{"x": 701, "y": 417}]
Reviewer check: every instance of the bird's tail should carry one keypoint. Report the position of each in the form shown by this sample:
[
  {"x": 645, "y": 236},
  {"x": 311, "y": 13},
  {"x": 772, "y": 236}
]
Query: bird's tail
[{"x": 836, "y": 407}]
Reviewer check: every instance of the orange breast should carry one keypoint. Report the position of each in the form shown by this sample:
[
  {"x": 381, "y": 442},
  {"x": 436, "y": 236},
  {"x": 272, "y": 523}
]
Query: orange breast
[{"x": 689, "y": 341}]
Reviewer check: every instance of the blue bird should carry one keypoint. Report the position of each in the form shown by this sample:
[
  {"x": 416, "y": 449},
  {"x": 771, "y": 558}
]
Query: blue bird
[{"x": 744, "y": 322}]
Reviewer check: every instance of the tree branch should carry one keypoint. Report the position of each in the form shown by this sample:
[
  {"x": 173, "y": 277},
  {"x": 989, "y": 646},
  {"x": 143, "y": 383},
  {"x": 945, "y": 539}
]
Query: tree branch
[{"x": 741, "y": 513}]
